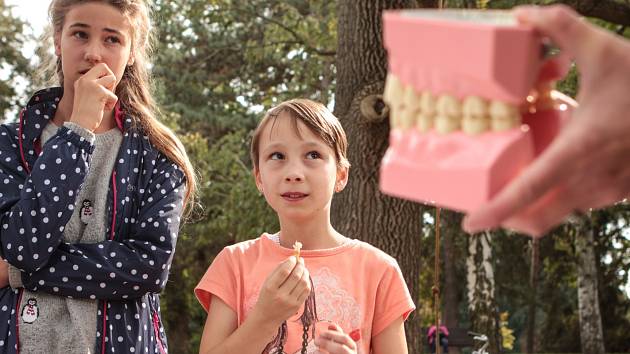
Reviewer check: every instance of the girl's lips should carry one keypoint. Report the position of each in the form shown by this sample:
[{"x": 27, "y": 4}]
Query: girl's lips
[{"x": 294, "y": 196}]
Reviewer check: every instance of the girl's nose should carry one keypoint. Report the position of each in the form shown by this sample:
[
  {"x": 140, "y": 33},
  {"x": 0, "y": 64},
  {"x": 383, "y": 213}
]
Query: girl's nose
[
  {"x": 294, "y": 174},
  {"x": 294, "y": 177},
  {"x": 93, "y": 54}
]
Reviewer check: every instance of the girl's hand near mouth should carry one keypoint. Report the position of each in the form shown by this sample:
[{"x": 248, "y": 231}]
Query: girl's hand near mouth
[{"x": 93, "y": 96}]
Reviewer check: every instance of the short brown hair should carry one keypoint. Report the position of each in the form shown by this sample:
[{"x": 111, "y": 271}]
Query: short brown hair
[{"x": 316, "y": 117}]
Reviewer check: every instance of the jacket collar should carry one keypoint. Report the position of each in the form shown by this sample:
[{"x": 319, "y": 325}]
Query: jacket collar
[{"x": 36, "y": 115}]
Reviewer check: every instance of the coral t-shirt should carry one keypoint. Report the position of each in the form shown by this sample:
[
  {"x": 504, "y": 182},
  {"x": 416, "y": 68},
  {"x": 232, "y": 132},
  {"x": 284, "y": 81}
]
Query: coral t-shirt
[{"x": 357, "y": 286}]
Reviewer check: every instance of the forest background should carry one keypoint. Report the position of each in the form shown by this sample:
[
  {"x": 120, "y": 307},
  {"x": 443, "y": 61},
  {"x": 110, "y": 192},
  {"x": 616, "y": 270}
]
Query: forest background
[{"x": 220, "y": 64}]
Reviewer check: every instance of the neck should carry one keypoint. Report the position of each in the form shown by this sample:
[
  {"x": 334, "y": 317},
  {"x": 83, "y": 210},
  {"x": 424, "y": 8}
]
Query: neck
[
  {"x": 64, "y": 113},
  {"x": 314, "y": 233}
]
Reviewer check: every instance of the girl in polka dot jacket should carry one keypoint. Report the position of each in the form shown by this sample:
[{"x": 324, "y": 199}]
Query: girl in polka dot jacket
[{"x": 92, "y": 188}]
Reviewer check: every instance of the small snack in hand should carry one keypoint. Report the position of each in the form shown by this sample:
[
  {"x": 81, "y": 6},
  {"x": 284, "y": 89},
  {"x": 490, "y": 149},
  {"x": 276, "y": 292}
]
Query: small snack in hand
[{"x": 297, "y": 246}]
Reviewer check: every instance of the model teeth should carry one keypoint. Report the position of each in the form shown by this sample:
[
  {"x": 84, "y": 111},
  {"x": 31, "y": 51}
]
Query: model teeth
[
  {"x": 449, "y": 114},
  {"x": 504, "y": 116},
  {"x": 410, "y": 108},
  {"x": 476, "y": 119},
  {"x": 424, "y": 111},
  {"x": 427, "y": 112}
]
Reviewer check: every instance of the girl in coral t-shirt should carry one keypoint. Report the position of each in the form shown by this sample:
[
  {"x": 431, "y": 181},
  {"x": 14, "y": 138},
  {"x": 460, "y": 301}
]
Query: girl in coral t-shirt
[{"x": 336, "y": 295}]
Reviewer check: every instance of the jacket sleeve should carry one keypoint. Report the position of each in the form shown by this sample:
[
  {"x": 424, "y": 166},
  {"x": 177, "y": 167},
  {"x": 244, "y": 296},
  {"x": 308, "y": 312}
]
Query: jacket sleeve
[
  {"x": 35, "y": 207},
  {"x": 115, "y": 270}
]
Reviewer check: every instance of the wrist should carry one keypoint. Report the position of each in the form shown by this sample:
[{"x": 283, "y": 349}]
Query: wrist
[
  {"x": 265, "y": 325},
  {"x": 85, "y": 124},
  {"x": 85, "y": 133}
]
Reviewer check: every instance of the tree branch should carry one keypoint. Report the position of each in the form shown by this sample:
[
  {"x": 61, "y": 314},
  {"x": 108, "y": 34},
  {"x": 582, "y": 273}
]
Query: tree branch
[
  {"x": 293, "y": 33},
  {"x": 607, "y": 10}
]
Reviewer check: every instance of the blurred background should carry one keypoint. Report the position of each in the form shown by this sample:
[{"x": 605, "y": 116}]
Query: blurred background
[{"x": 219, "y": 64}]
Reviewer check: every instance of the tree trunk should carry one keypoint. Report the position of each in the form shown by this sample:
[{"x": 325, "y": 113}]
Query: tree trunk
[
  {"x": 451, "y": 225},
  {"x": 481, "y": 298},
  {"x": 361, "y": 211},
  {"x": 591, "y": 333},
  {"x": 533, "y": 283}
]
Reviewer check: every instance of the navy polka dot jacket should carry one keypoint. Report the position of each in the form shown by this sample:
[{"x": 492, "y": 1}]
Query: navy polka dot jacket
[{"x": 38, "y": 188}]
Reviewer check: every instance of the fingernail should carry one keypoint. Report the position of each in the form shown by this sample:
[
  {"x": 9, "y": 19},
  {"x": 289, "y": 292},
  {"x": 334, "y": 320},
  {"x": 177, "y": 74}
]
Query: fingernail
[
  {"x": 468, "y": 226},
  {"x": 526, "y": 13},
  {"x": 332, "y": 327}
]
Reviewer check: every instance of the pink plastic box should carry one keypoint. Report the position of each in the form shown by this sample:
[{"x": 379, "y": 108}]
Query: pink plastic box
[{"x": 466, "y": 53}]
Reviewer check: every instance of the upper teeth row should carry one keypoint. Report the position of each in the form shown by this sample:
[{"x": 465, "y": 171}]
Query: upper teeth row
[{"x": 474, "y": 115}]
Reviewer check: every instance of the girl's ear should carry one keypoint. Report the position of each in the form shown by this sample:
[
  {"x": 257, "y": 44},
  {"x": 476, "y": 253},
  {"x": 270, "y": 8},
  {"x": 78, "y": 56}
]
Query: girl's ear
[
  {"x": 258, "y": 180},
  {"x": 342, "y": 178},
  {"x": 131, "y": 60},
  {"x": 57, "y": 41}
]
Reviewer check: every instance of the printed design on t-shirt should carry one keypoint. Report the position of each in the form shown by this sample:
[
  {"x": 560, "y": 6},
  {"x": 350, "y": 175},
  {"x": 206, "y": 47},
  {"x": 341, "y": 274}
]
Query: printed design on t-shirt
[
  {"x": 334, "y": 304},
  {"x": 30, "y": 311},
  {"x": 87, "y": 211}
]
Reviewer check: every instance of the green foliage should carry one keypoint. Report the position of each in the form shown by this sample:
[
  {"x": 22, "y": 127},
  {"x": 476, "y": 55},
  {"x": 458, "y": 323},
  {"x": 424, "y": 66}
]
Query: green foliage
[
  {"x": 12, "y": 61},
  {"x": 220, "y": 61}
]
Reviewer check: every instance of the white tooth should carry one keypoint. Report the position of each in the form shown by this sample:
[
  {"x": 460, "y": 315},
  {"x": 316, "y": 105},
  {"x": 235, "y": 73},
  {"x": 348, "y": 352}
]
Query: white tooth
[
  {"x": 410, "y": 108},
  {"x": 392, "y": 96},
  {"x": 475, "y": 115},
  {"x": 504, "y": 116},
  {"x": 427, "y": 112},
  {"x": 448, "y": 118},
  {"x": 392, "y": 88}
]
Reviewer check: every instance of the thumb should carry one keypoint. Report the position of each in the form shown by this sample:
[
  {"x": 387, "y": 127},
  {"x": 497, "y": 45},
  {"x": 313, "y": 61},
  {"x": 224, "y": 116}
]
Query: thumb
[
  {"x": 547, "y": 171},
  {"x": 562, "y": 25}
]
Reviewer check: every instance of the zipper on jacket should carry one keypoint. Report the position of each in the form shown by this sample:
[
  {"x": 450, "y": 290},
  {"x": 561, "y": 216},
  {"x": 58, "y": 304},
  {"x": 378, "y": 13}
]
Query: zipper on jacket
[
  {"x": 156, "y": 329},
  {"x": 111, "y": 237},
  {"x": 17, "y": 321},
  {"x": 21, "y": 142}
]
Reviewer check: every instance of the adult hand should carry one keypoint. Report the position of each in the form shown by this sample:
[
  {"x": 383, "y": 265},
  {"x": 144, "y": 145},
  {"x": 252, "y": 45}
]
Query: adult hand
[
  {"x": 284, "y": 291},
  {"x": 335, "y": 341},
  {"x": 587, "y": 165},
  {"x": 93, "y": 96}
]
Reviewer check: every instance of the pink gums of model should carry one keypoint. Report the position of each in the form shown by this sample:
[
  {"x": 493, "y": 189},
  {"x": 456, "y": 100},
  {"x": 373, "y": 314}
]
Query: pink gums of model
[{"x": 463, "y": 54}]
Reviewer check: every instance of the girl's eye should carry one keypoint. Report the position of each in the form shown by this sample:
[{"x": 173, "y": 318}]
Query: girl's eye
[
  {"x": 312, "y": 155},
  {"x": 112, "y": 39},
  {"x": 276, "y": 156},
  {"x": 80, "y": 35}
]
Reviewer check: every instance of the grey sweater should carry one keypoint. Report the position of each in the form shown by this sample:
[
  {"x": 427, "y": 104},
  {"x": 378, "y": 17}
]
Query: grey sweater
[{"x": 56, "y": 324}]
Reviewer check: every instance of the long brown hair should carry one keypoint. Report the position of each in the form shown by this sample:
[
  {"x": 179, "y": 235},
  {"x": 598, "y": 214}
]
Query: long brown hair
[{"x": 134, "y": 89}]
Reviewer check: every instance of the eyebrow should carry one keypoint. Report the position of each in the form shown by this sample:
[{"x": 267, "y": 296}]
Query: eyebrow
[
  {"x": 309, "y": 144},
  {"x": 83, "y": 25}
]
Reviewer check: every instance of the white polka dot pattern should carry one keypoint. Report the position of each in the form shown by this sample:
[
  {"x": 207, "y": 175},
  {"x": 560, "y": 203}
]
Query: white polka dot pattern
[{"x": 124, "y": 273}]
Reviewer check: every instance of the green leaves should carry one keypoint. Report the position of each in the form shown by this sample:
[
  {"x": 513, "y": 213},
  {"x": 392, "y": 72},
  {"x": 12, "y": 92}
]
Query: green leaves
[
  {"x": 221, "y": 62},
  {"x": 12, "y": 61}
]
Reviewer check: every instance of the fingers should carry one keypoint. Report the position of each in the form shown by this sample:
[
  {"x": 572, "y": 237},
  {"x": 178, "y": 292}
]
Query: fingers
[
  {"x": 335, "y": 341},
  {"x": 107, "y": 81},
  {"x": 294, "y": 280},
  {"x": 561, "y": 24},
  {"x": 554, "y": 166},
  {"x": 98, "y": 71},
  {"x": 281, "y": 273},
  {"x": 109, "y": 99},
  {"x": 303, "y": 284},
  {"x": 551, "y": 210}
]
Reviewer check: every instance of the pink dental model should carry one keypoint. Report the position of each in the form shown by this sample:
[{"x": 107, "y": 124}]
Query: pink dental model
[{"x": 470, "y": 104}]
